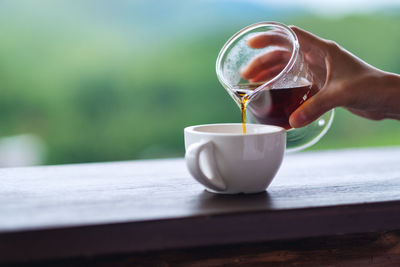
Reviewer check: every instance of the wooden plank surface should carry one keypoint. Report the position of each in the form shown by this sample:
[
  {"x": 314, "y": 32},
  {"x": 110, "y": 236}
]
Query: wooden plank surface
[
  {"x": 371, "y": 249},
  {"x": 104, "y": 208}
]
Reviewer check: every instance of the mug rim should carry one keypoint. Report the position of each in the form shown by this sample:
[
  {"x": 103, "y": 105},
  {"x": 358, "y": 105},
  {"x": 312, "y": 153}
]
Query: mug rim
[{"x": 275, "y": 129}]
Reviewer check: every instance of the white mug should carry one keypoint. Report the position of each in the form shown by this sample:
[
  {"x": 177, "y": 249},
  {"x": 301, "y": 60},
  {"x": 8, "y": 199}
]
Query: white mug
[{"x": 224, "y": 160}]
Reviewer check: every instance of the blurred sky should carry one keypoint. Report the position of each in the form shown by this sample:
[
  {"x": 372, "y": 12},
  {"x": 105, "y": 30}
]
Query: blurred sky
[{"x": 333, "y": 7}]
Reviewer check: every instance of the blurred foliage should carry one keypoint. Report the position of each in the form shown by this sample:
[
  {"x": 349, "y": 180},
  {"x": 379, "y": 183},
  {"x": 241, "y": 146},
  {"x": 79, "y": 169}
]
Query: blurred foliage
[{"x": 96, "y": 94}]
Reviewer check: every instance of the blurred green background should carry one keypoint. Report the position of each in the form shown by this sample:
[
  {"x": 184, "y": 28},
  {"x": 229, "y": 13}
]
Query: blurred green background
[{"x": 119, "y": 80}]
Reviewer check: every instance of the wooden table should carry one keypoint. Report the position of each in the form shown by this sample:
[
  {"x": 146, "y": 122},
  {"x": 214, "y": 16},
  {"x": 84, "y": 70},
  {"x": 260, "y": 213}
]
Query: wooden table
[{"x": 322, "y": 207}]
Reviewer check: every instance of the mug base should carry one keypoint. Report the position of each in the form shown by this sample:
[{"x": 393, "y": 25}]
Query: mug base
[{"x": 235, "y": 192}]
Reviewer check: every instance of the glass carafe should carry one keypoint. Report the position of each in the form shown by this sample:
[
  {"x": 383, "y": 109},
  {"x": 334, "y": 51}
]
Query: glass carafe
[{"x": 271, "y": 79}]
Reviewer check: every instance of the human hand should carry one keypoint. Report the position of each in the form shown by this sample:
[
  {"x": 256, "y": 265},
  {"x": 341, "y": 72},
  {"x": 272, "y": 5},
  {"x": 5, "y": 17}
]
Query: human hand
[{"x": 345, "y": 80}]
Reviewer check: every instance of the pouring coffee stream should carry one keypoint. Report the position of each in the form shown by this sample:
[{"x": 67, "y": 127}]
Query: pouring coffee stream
[{"x": 243, "y": 92}]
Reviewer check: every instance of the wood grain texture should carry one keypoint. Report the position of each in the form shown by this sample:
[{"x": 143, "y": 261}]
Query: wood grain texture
[
  {"x": 105, "y": 208},
  {"x": 372, "y": 249}
]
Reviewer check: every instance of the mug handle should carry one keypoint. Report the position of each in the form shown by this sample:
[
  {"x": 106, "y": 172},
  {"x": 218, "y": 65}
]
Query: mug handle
[{"x": 192, "y": 157}]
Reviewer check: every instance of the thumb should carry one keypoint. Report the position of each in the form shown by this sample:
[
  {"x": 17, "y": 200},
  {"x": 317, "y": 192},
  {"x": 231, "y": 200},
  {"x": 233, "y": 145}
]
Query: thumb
[
  {"x": 312, "y": 109},
  {"x": 307, "y": 40}
]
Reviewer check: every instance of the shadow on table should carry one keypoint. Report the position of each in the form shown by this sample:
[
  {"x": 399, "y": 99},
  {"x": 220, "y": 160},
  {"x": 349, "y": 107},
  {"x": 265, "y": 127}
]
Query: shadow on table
[{"x": 207, "y": 201}]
